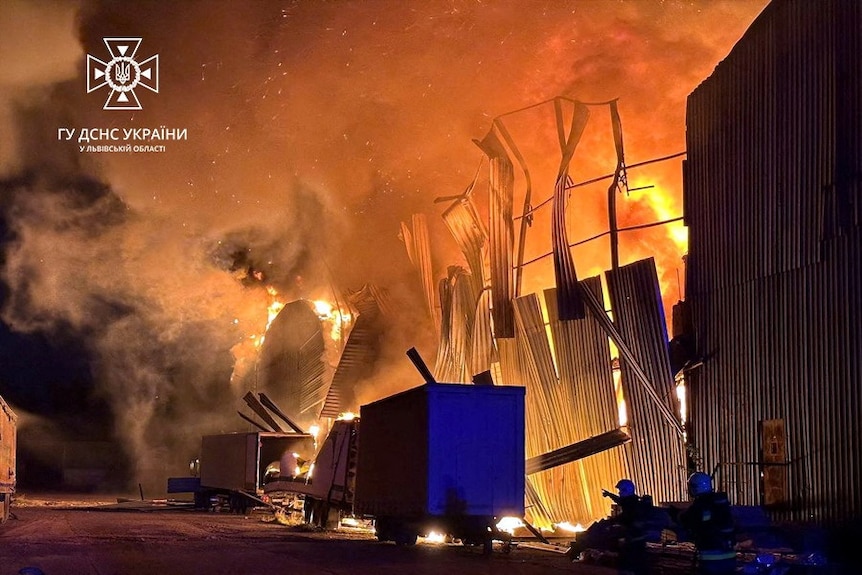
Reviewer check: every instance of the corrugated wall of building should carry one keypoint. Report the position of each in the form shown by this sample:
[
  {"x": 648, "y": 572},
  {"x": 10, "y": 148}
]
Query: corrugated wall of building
[{"x": 774, "y": 276}]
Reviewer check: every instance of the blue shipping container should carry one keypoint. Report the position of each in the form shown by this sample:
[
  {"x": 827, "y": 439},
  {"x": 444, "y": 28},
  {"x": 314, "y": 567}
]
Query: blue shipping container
[{"x": 440, "y": 450}]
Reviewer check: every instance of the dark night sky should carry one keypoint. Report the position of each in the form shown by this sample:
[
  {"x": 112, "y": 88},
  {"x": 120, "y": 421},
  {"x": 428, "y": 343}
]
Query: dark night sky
[{"x": 314, "y": 128}]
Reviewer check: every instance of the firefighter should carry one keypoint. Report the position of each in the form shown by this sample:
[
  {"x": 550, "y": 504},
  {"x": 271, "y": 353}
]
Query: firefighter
[
  {"x": 710, "y": 524},
  {"x": 631, "y": 521}
]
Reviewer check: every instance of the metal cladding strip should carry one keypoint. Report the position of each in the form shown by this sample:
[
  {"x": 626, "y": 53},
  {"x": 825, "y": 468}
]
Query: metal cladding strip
[
  {"x": 501, "y": 234},
  {"x": 313, "y": 386},
  {"x": 510, "y": 364},
  {"x": 538, "y": 367},
  {"x": 537, "y": 513},
  {"x": 464, "y": 223},
  {"x": 355, "y": 364},
  {"x": 775, "y": 146},
  {"x": 576, "y": 451},
  {"x": 540, "y": 432},
  {"x": 482, "y": 352},
  {"x": 419, "y": 251},
  {"x": 583, "y": 357},
  {"x": 444, "y": 367},
  {"x": 626, "y": 352},
  {"x": 658, "y": 462},
  {"x": 461, "y": 324},
  {"x": 526, "y": 218},
  {"x": 549, "y": 408},
  {"x": 584, "y": 362},
  {"x": 271, "y": 405},
  {"x": 571, "y": 305},
  {"x": 261, "y": 411}
]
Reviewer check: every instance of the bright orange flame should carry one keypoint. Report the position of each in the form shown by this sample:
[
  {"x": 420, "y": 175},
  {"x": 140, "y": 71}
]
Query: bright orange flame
[
  {"x": 509, "y": 524},
  {"x": 272, "y": 312},
  {"x": 683, "y": 404},
  {"x": 274, "y": 308},
  {"x": 567, "y": 526},
  {"x": 337, "y": 318},
  {"x": 622, "y": 413},
  {"x": 664, "y": 207},
  {"x": 434, "y": 537}
]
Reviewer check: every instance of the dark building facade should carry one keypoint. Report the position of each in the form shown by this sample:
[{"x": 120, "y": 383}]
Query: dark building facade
[{"x": 773, "y": 203}]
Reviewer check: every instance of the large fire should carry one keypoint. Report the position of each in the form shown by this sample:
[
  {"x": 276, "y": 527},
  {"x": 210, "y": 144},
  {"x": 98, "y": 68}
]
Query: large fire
[{"x": 272, "y": 310}]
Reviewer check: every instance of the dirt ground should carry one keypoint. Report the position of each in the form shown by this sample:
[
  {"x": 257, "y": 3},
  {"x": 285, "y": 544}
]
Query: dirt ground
[{"x": 96, "y": 536}]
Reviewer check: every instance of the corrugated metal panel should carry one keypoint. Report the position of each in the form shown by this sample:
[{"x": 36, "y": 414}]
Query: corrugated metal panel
[
  {"x": 419, "y": 251},
  {"x": 444, "y": 367},
  {"x": 772, "y": 200},
  {"x": 657, "y": 454},
  {"x": 584, "y": 361},
  {"x": 501, "y": 234},
  {"x": 464, "y": 223},
  {"x": 556, "y": 416},
  {"x": 483, "y": 352},
  {"x": 456, "y": 327},
  {"x": 548, "y": 413},
  {"x": 569, "y": 301},
  {"x": 510, "y": 364},
  {"x": 577, "y": 451},
  {"x": 360, "y": 351}
]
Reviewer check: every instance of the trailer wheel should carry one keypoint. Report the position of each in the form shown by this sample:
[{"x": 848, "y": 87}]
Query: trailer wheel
[
  {"x": 238, "y": 503},
  {"x": 405, "y": 537},
  {"x": 383, "y": 529}
]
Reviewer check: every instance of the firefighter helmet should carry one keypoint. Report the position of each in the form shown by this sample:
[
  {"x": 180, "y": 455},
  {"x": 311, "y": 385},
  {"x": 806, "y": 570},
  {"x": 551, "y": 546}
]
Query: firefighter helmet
[
  {"x": 699, "y": 483},
  {"x": 625, "y": 487}
]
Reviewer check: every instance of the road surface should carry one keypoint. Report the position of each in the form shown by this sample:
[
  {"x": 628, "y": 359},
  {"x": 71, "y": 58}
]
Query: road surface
[{"x": 135, "y": 539}]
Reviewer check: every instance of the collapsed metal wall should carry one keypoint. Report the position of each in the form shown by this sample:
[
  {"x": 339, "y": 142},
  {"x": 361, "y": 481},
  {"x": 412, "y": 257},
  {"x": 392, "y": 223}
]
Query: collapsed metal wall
[
  {"x": 773, "y": 203},
  {"x": 564, "y": 363}
]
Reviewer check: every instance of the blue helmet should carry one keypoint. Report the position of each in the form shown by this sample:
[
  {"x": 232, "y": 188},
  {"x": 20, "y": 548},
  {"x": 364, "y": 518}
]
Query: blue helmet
[
  {"x": 699, "y": 483},
  {"x": 626, "y": 487}
]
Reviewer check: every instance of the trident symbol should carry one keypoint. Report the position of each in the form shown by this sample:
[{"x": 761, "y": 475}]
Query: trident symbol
[
  {"x": 123, "y": 71},
  {"x": 122, "y": 74}
]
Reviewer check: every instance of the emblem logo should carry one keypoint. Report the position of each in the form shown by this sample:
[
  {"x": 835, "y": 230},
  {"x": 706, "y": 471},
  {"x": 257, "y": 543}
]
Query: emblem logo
[{"x": 122, "y": 74}]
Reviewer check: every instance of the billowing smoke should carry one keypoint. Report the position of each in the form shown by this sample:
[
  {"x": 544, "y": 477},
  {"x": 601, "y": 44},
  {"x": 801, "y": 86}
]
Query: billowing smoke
[{"x": 314, "y": 128}]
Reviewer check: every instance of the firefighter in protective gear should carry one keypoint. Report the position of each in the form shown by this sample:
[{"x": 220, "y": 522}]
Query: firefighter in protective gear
[
  {"x": 710, "y": 523},
  {"x": 631, "y": 522}
]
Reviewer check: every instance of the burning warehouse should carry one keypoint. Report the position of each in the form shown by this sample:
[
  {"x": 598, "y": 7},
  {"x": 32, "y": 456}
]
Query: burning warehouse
[{"x": 269, "y": 161}]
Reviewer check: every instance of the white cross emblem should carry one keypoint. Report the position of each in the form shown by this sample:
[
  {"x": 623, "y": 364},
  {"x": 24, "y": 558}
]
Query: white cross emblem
[{"x": 122, "y": 74}]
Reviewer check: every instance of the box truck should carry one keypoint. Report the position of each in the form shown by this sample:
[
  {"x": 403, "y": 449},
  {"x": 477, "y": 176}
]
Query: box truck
[{"x": 8, "y": 446}]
